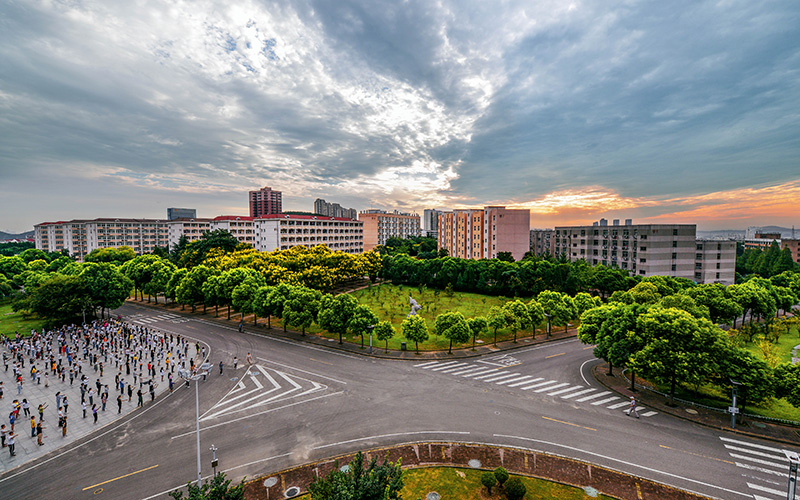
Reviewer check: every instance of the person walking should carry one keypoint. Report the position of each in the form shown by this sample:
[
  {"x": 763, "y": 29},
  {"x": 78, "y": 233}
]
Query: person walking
[
  {"x": 249, "y": 359},
  {"x": 632, "y": 409},
  {"x": 235, "y": 362}
]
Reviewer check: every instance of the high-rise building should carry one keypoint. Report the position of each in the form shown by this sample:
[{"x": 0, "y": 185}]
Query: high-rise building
[
  {"x": 265, "y": 201},
  {"x": 430, "y": 222},
  {"x": 793, "y": 245},
  {"x": 483, "y": 233},
  {"x": 380, "y": 225},
  {"x": 181, "y": 213},
  {"x": 322, "y": 207},
  {"x": 649, "y": 250}
]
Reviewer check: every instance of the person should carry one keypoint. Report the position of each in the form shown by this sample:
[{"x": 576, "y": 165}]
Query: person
[
  {"x": 632, "y": 409},
  {"x": 26, "y": 408},
  {"x": 11, "y": 443},
  {"x": 235, "y": 362},
  {"x": 64, "y": 427},
  {"x": 3, "y": 434},
  {"x": 139, "y": 398},
  {"x": 83, "y": 407},
  {"x": 220, "y": 367},
  {"x": 39, "y": 433},
  {"x": 249, "y": 359},
  {"x": 33, "y": 426},
  {"x": 94, "y": 413},
  {"x": 119, "y": 403},
  {"x": 66, "y": 405},
  {"x": 41, "y": 411},
  {"x": 241, "y": 327}
]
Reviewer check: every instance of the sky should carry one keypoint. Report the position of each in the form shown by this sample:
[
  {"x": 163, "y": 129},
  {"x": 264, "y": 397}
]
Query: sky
[{"x": 663, "y": 112}]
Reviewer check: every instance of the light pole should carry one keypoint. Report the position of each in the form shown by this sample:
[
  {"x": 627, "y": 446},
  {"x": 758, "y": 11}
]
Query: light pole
[
  {"x": 214, "y": 461},
  {"x": 187, "y": 376},
  {"x": 794, "y": 461},
  {"x": 733, "y": 409},
  {"x": 370, "y": 328},
  {"x": 548, "y": 316}
]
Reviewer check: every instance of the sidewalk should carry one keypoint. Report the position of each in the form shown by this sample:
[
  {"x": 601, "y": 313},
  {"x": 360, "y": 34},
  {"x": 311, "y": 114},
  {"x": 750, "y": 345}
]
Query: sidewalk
[
  {"x": 77, "y": 426},
  {"x": 702, "y": 416}
]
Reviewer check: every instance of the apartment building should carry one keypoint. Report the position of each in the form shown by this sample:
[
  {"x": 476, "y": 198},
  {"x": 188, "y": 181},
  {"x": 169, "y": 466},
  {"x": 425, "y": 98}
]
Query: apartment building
[
  {"x": 540, "y": 241},
  {"x": 715, "y": 261},
  {"x": 430, "y": 222},
  {"x": 794, "y": 246},
  {"x": 192, "y": 228},
  {"x": 648, "y": 250},
  {"x": 79, "y": 237},
  {"x": 322, "y": 207},
  {"x": 240, "y": 226},
  {"x": 265, "y": 201},
  {"x": 483, "y": 233},
  {"x": 283, "y": 231},
  {"x": 380, "y": 225},
  {"x": 761, "y": 241},
  {"x": 181, "y": 213}
]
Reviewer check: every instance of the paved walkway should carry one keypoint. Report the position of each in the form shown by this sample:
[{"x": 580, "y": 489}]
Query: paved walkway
[{"x": 77, "y": 426}]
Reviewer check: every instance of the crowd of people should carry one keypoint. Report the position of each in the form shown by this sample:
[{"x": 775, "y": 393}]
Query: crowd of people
[{"x": 85, "y": 357}]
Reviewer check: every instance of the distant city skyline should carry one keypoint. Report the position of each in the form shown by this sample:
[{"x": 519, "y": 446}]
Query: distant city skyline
[{"x": 678, "y": 112}]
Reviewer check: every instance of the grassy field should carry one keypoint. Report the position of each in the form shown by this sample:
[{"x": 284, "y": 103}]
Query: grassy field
[
  {"x": 11, "y": 321},
  {"x": 465, "y": 484},
  {"x": 783, "y": 347}
]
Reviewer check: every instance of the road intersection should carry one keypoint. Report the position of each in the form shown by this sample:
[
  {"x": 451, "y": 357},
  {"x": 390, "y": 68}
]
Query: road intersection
[{"x": 299, "y": 402}]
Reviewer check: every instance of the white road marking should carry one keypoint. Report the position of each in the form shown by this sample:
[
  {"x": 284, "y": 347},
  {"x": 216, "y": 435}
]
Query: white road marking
[
  {"x": 538, "y": 385},
  {"x": 500, "y": 377},
  {"x": 649, "y": 413},
  {"x": 757, "y": 460},
  {"x": 758, "y": 453},
  {"x": 760, "y": 469},
  {"x": 618, "y": 405},
  {"x": 587, "y": 398},
  {"x": 758, "y": 487},
  {"x": 471, "y": 368},
  {"x": 545, "y": 389},
  {"x": 752, "y": 445},
  {"x": 453, "y": 368},
  {"x": 526, "y": 382},
  {"x": 579, "y": 393},
  {"x": 442, "y": 366},
  {"x": 479, "y": 372},
  {"x": 526, "y": 378},
  {"x": 492, "y": 374},
  {"x": 304, "y": 371},
  {"x": 562, "y": 391},
  {"x": 604, "y": 401},
  {"x": 426, "y": 364}
]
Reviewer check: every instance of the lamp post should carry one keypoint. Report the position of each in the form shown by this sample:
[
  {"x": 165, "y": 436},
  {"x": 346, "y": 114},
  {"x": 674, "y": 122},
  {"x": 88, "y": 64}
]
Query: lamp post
[
  {"x": 214, "y": 461},
  {"x": 794, "y": 462},
  {"x": 369, "y": 329},
  {"x": 187, "y": 376},
  {"x": 548, "y": 316},
  {"x": 733, "y": 409}
]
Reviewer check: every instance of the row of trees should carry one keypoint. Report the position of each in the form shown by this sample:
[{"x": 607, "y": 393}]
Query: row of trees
[
  {"x": 670, "y": 334},
  {"x": 765, "y": 263},
  {"x": 525, "y": 278}
]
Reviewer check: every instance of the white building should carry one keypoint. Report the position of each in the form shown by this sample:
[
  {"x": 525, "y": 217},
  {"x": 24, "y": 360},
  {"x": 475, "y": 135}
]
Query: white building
[{"x": 280, "y": 232}]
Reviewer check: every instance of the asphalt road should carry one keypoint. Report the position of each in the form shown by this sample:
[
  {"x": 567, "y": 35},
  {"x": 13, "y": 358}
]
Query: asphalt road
[{"x": 300, "y": 402}]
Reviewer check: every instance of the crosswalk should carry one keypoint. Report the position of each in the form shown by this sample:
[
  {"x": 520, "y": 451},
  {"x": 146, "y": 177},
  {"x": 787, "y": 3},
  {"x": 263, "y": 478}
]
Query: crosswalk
[
  {"x": 144, "y": 319},
  {"x": 540, "y": 385},
  {"x": 260, "y": 387},
  {"x": 765, "y": 468}
]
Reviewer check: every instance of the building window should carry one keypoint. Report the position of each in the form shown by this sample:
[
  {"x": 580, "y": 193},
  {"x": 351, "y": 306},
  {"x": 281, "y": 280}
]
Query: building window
[
  {"x": 674, "y": 232},
  {"x": 674, "y": 255},
  {"x": 717, "y": 265},
  {"x": 674, "y": 267},
  {"x": 674, "y": 244},
  {"x": 641, "y": 271},
  {"x": 698, "y": 276},
  {"x": 717, "y": 275},
  {"x": 642, "y": 261}
]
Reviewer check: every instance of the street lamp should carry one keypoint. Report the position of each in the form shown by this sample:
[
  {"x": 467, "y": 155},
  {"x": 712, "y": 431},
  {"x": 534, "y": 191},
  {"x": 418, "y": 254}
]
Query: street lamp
[
  {"x": 733, "y": 409},
  {"x": 794, "y": 462},
  {"x": 369, "y": 329},
  {"x": 187, "y": 376},
  {"x": 548, "y": 316}
]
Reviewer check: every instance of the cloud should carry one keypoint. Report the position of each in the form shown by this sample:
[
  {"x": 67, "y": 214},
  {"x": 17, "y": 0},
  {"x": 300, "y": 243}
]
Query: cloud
[{"x": 409, "y": 105}]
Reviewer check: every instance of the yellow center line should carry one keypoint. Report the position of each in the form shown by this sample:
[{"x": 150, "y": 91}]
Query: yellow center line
[
  {"x": 318, "y": 361},
  {"x": 120, "y": 477},
  {"x": 697, "y": 455},
  {"x": 590, "y": 347},
  {"x": 554, "y": 355},
  {"x": 568, "y": 423}
]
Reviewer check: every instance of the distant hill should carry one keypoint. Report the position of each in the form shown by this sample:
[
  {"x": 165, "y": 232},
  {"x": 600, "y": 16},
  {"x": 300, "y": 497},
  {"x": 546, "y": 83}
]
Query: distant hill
[{"x": 11, "y": 236}]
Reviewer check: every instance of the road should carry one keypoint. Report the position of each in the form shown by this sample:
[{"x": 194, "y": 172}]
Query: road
[{"x": 301, "y": 402}]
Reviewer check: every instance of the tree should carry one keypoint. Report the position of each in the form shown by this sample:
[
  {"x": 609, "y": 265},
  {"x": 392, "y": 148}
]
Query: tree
[
  {"x": 375, "y": 482},
  {"x": 111, "y": 254},
  {"x": 212, "y": 294},
  {"x": 108, "y": 287},
  {"x": 335, "y": 313},
  {"x": 362, "y": 318},
  {"x": 787, "y": 383},
  {"x": 160, "y": 271},
  {"x": 719, "y": 301},
  {"x": 384, "y": 331},
  {"x": 515, "y": 490},
  {"x": 301, "y": 307},
  {"x": 244, "y": 294},
  {"x": 60, "y": 299},
  {"x": 261, "y": 304},
  {"x": 172, "y": 284},
  {"x": 501, "y": 474},
  {"x": 275, "y": 301},
  {"x": 536, "y": 312},
  {"x": 505, "y": 256},
  {"x": 559, "y": 306},
  {"x": 519, "y": 314},
  {"x": 583, "y": 302},
  {"x": 477, "y": 325},
  {"x": 453, "y": 326},
  {"x": 216, "y": 488},
  {"x": 415, "y": 329},
  {"x": 488, "y": 480},
  {"x": 190, "y": 289},
  {"x": 677, "y": 347},
  {"x": 232, "y": 278},
  {"x": 499, "y": 317}
]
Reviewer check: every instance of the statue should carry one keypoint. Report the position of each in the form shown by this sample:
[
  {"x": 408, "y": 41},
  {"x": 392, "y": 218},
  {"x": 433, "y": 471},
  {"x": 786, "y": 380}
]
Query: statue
[{"x": 414, "y": 307}]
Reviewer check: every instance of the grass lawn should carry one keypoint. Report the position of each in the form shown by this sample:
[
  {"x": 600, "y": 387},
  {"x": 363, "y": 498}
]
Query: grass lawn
[
  {"x": 11, "y": 321},
  {"x": 390, "y": 302},
  {"x": 784, "y": 347},
  {"x": 465, "y": 484}
]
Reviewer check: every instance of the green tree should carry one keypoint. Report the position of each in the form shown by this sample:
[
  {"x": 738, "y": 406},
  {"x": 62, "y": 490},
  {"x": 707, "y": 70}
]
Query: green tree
[
  {"x": 477, "y": 326},
  {"x": 415, "y": 329},
  {"x": 384, "y": 331},
  {"x": 499, "y": 317},
  {"x": 111, "y": 254},
  {"x": 172, "y": 285},
  {"x": 244, "y": 294},
  {"x": 356, "y": 482},
  {"x": 216, "y": 488},
  {"x": 301, "y": 308},
  {"x": 489, "y": 481},
  {"x": 362, "y": 318},
  {"x": 501, "y": 474},
  {"x": 515, "y": 490},
  {"x": 108, "y": 288},
  {"x": 536, "y": 312},
  {"x": 453, "y": 326},
  {"x": 212, "y": 293},
  {"x": 677, "y": 347},
  {"x": 260, "y": 304},
  {"x": 232, "y": 278},
  {"x": 276, "y": 300},
  {"x": 335, "y": 313},
  {"x": 59, "y": 299},
  {"x": 160, "y": 271},
  {"x": 559, "y": 306},
  {"x": 787, "y": 383},
  {"x": 519, "y": 314},
  {"x": 190, "y": 289}
]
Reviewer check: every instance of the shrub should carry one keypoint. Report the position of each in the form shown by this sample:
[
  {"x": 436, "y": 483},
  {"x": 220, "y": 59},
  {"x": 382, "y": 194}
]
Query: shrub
[
  {"x": 488, "y": 480},
  {"x": 501, "y": 475},
  {"x": 515, "y": 490}
]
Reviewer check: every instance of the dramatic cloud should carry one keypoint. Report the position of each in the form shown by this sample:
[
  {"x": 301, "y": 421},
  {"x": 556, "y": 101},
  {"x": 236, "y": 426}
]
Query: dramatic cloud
[{"x": 674, "y": 111}]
